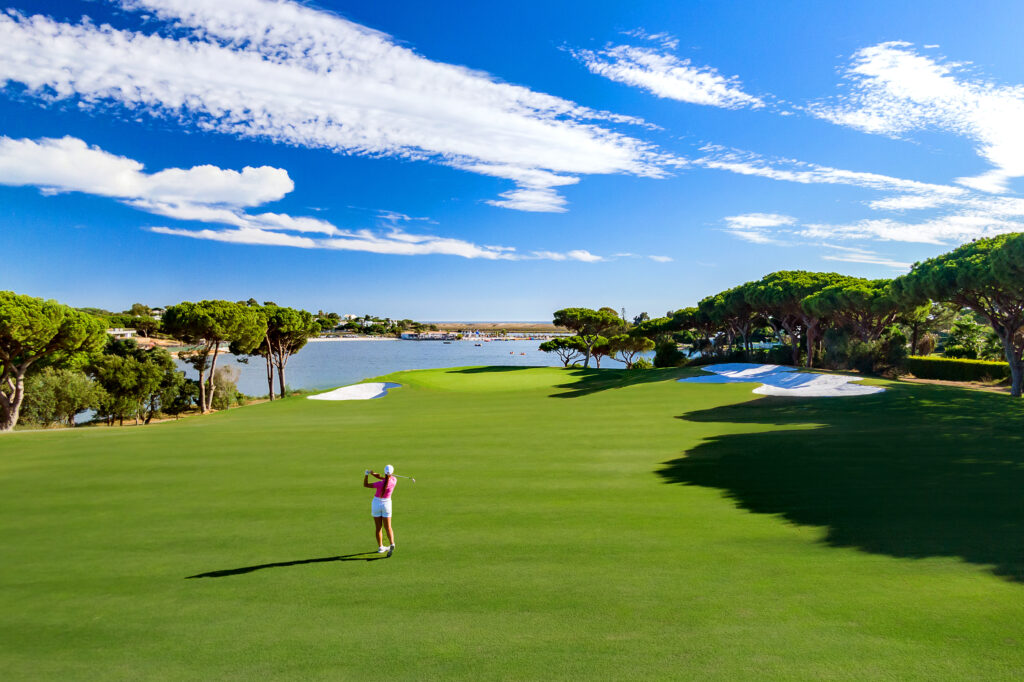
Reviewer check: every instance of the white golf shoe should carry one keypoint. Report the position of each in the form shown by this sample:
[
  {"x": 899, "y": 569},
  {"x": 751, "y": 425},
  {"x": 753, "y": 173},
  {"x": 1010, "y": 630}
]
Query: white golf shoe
[{"x": 381, "y": 549}]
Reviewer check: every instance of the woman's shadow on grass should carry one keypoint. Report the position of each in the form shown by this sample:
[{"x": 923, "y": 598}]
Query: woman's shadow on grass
[
  {"x": 923, "y": 472},
  {"x": 362, "y": 556}
]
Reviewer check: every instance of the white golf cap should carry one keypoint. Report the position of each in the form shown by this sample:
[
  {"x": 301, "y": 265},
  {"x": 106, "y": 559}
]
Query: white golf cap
[{"x": 389, "y": 469}]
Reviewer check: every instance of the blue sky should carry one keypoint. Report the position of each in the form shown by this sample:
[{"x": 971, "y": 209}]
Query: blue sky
[{"x": 467, "y": 161}]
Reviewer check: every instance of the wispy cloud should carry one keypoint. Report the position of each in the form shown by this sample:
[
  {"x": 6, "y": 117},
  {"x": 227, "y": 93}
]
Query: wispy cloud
[
  {"x": 392, "y": 242},
  {"x": 289, "y": 73},
  {"x": 218, "y": 196},
  {"x": 947, "y": 229},
  {"x": 666, "y": 40},
  {"x": 757, "y": 227},
  {"x": 791, "y": 170},
  {"x": 665, "y": 75},
  {"x": 848, "y": 255},
  {"x": 773, "y": 228},
  {"x": 894, "y": 90}
]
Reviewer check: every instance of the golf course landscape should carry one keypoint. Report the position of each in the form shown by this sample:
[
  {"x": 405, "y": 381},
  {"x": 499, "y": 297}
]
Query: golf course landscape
[{"x": 564, "y": 524}]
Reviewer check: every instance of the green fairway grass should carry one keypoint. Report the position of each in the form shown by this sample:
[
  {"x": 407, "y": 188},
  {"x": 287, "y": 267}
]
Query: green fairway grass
[{"x": 565, "y": 524}]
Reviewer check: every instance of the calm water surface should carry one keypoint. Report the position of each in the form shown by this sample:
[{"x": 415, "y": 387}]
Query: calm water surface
[{"x": 327, "y": 364}]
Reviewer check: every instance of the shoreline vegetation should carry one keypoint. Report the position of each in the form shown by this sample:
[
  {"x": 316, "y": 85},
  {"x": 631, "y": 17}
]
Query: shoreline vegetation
[
  {"x": 59, "y": 362},
  {"x": 1001, "y": 387}
]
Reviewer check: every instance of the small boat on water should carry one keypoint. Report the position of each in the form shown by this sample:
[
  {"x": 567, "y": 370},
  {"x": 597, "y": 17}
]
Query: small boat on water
[{"x": 477, "y": 344}]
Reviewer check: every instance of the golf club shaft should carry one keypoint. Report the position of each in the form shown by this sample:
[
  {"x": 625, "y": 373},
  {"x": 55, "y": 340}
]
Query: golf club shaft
[{"x": 399, "y": 475}]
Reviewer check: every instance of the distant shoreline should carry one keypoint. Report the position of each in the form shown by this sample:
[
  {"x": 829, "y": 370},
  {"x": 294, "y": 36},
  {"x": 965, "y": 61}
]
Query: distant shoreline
[
  {"x": 528, "y": 327},
  {"x": 352, "y": 338}
]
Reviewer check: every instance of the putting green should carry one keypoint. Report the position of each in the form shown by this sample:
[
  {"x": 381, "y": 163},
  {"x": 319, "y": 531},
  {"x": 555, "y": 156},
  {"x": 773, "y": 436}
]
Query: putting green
[{"x": 564, "y": 524}]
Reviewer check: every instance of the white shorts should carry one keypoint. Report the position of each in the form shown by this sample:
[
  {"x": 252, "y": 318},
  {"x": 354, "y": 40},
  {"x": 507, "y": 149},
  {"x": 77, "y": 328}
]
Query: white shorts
[{"x": 381, "y": 507}]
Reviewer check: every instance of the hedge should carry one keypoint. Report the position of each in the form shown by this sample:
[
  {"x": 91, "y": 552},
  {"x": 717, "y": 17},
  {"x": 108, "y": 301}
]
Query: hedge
[{"x": 956, "y": 369}]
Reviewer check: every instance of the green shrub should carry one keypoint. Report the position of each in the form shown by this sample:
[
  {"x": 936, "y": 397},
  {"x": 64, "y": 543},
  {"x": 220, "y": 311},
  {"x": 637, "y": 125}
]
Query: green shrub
[
  {"x": 863, "y": 356},
  {"x": 226, "y": 380},
  {"x": 961, "y": 352},
  {"x": 668, "y": 355},
  {"x": 950, "y": 369},
  {"x": 894, "y": 347},
  {"x": 837, "y": 349},
  {"x": 642, "y": 363},
  {"x": 58, "y": 396},
  {"x": 779, "y": 355}
]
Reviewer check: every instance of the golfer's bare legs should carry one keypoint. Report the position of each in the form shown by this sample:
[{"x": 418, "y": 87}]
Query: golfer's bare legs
[
  {"x": 377, "y": 522},
  {"x": 387, "y": 527}
]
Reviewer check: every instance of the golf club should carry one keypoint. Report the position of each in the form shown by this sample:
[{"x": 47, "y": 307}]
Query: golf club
[{"x": 367, "y": 471}]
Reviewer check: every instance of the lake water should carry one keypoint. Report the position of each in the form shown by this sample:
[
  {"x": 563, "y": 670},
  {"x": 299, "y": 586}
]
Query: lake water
[{"x": 327, "y": 364}]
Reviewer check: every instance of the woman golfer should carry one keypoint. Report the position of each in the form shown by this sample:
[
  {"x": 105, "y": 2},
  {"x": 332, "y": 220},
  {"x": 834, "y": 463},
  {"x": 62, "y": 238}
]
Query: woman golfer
[{"x": 381, "y": 508}]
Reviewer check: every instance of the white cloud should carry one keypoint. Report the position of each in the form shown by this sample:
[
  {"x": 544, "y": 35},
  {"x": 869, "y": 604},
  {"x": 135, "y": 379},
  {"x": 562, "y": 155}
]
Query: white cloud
[
  {"x": 541, "y": 200},
  {"x": 791, "y": 170},
  {"x": 661, "y": 259},
  {"x": 895, "y": 90},
  {"x": 756, "y": 220},
  {"x": 666, "y": 76},
  {"x": 289, "y": 73},
  {"x": 857, "y": 255},
  {"x": 243, "y": 235},
  {"x": 976, "y": 220},
  {"x": 70, "y": 165},
  {"x": 956, "y": 228},
  {"x": 219, "y": 196},
  {"x": 910, "y": 202},
  {"x": 388, "y": 242},
  {"x": 756, "y": 227},
  {"x": 583, "y": 255},
  {"x": 667, "y": 41}
]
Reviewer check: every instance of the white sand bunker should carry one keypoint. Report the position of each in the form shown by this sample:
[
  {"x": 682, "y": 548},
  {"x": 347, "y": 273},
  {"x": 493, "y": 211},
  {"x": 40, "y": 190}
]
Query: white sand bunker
[
  {"x": 780, "y": 380},
  {"x": 357, "y": 392}
]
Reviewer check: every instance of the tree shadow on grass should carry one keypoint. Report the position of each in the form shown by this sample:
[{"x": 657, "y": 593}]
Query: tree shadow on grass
[
  {"x": 362, "y": 556},
  {"x": 493, "y": 369},
  {"x": 589, "y": 381},
  {"x": 913, "y": 472}
]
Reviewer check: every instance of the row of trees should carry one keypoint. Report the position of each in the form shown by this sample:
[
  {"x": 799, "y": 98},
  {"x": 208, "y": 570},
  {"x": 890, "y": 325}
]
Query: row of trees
[
  {"x": 139, "y": 317},
  {"x": 599, "y": 333},
  {"x": 270, "y": 331},
  {"x": 120, "y": 382},
  {"x": 65, "y": 358},
  {"x": 843, "y": 318}
]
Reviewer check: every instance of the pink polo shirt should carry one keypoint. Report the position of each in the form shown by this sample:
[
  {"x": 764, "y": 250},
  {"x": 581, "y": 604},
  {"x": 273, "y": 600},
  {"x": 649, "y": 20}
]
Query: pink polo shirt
[{"x": 382, "y": 492}]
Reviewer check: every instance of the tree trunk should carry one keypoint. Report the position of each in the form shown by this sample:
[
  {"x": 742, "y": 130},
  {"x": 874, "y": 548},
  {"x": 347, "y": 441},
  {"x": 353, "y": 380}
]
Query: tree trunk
[
  {"x": 202, "y": 382},
  {"x": 270, "y": 373},
  {"x": 811, "y": 334},
  {"x": 915, "y": 333},
  {"x": 8, "y": 418},
  {"x": 213, "y": 387},
  {"x": 1013, "y": 358},
  {"x": 794, "y": 342},
  {"x": 10, "y": 405},
  {"x": 282, "y": 360}
]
